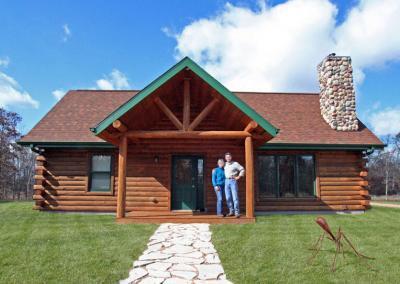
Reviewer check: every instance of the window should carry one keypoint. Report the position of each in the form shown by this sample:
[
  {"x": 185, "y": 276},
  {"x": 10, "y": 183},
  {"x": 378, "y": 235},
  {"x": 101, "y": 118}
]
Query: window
[
  {"x": 100, "y": 175},
  {"x": 286, "y": 176},
  {"x": 267, "y": 176}
]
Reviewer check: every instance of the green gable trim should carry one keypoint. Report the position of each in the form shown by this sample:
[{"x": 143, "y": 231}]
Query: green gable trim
[
  {"x": 32, "y": 144},
  {"x": 286, "y": 146},
  {"x": 185, "y": 63}
]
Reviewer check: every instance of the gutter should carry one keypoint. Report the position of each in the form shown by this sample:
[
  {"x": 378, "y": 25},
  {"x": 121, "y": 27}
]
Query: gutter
[{"x": 294, "y": 146}]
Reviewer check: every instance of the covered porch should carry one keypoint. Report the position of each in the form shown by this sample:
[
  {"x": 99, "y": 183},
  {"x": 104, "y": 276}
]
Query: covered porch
[{"x": 169, "y": 137}]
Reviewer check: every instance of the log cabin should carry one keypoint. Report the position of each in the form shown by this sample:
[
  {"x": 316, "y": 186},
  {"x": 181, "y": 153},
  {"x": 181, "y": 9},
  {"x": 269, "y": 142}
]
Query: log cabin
[{"x": 148, "y": 154}]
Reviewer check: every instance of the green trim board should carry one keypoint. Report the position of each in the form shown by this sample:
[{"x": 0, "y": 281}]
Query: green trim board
[
  {"x": 67, "y": 144},
  {"x": 288, "y": 146},
  {"x": 181, "y": 65}
]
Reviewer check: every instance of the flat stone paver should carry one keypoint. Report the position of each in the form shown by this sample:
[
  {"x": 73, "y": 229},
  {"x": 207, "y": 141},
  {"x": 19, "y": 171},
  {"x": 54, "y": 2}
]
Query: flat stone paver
[{"x": 178, "y": 253}]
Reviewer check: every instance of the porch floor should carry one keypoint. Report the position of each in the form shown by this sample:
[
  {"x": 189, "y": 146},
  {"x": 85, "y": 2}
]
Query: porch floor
[{"x": 181, "y": 217}]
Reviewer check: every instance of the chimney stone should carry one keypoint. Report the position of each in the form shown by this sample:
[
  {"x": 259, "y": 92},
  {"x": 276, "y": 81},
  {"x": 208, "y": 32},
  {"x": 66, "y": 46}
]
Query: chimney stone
[{"x": 337, "y": 95}]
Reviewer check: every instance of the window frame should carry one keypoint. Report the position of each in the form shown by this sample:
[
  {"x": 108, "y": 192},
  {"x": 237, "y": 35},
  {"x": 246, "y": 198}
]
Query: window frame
[
  {"x": 295, "y": 176},
  {"x": 90, "y": 173}
]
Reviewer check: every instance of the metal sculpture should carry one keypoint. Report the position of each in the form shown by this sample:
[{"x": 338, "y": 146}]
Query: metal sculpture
[{"x": 338, "y": 240}]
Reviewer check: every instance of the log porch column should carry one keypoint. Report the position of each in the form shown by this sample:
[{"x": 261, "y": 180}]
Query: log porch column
[
  {"x": 248, "y": 145},
  {"x": 122, "y": 157}
]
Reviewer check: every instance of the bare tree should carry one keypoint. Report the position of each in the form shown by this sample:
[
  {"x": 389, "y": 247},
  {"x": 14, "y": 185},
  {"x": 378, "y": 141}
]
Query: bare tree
[{"x": 16, "y": 162}]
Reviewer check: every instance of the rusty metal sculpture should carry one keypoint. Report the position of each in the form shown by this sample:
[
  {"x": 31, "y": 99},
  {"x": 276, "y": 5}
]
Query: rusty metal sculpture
[{"x": 338, "y": 240}]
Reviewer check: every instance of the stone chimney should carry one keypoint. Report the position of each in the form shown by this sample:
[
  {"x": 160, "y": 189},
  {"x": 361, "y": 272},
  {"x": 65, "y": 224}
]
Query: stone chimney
[{"x": 337, "y": 96}]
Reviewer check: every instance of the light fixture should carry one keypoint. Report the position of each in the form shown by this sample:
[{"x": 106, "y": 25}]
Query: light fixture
[{"x": 156, "y": 159}]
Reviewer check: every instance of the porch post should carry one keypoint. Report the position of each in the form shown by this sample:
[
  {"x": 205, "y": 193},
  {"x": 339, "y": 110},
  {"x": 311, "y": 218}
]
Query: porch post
[
  {"x": 122, "y": 156},
  {"x": 248, "y": 145}
]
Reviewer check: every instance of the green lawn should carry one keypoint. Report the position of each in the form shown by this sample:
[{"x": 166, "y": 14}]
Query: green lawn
[
  {"x": 275, "y": 249},
  {"x": 41, "y": 247}
]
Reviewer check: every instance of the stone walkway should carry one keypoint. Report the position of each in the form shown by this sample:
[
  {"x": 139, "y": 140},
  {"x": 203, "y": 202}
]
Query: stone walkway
[{"x": 179, "y": 253}]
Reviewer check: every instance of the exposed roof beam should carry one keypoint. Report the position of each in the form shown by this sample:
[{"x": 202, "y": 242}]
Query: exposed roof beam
[
  {"x": 251, "y": 126},
  {"x": 203, "y": 114},
  {"x": 186, "y": 103},
  {"x": 165, "y": 109},
  {"x": 120, "y": 126},
  {"x": 168, "y": 134}
]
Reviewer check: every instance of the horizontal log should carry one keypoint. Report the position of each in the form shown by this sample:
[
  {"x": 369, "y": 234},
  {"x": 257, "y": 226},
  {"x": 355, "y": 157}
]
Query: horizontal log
[
  {"x": 187, "y": 134},
  {"x": 342, "y": 192},
  {"x": 345, "y": 197},
  {"x": 348, "y": 178},
  {"x": 341, "y": 183},
  {"x": 311, "y": 208},
  {"x": 341, "y": 187}
]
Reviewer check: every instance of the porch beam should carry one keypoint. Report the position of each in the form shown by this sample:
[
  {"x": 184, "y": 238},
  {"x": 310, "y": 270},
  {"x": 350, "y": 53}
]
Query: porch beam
[
  {"x": 167, "y": 134},
  {"x": 122, "y": 159},
  {"x": 251, "y": 126},
  {"x": 186, "y": 104},
  {"x": 248, "y": 142},
  {"x": 203, "y": 114},
  {"x": 166, "y": 110},
  {"x": 120, "y": 126}
]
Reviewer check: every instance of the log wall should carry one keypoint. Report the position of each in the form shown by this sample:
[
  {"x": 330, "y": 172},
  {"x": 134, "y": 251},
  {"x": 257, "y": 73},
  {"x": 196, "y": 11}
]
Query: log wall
[
  {"x": 340, "y": 184},
  {"x": 62, "y": 176}
]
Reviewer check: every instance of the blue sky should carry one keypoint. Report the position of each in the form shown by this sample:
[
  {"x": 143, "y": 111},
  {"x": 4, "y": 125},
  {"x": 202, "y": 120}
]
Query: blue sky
[{"x": 49, "y": 47}]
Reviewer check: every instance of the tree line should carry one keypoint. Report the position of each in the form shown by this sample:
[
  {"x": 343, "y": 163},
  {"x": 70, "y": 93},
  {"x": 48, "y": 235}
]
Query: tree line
[
  {"x": 17, "y": 163},
  {"x": 384, "y": 169}
]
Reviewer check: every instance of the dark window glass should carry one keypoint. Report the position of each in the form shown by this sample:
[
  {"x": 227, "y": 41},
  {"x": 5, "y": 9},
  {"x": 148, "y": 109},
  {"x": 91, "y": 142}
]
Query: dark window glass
[
  {"x": 100, "y": 173},
  {"x": 267, "y": 178},
  {"x": 305, "y": 165},
  {"x": 286, "y": 176}
]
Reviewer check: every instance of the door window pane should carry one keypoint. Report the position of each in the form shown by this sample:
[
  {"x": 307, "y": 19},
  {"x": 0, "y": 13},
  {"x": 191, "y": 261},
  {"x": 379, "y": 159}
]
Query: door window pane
[
  {"x": 305, "y": 178},
  {"x": 267, "y": 181},
  {"x": 286, "y": 176}
]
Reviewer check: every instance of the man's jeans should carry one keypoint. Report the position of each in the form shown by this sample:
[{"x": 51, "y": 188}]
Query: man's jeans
[
  {"x": 219, "y": 200},
  {"x": 231, "y": 194}
]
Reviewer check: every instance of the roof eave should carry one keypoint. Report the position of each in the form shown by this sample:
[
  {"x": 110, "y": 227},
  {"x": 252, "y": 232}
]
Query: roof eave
[
  {"x": 301, "y": 146},
  {"x": 185, "y": 63}
]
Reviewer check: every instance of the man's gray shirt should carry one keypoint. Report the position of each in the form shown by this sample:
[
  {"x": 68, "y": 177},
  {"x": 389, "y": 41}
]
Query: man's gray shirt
[{"x": 233, "y": 169}]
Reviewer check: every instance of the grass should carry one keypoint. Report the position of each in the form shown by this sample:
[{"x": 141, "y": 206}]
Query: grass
[
  {"x": 276, "y": 248},
  {"x": 42, "y": 247}
]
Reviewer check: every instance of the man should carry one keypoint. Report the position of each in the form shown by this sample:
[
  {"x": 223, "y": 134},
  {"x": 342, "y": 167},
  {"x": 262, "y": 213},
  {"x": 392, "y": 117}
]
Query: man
[
  {"x": 218, "y": 182},
  {"x": 233, "y": 172}
]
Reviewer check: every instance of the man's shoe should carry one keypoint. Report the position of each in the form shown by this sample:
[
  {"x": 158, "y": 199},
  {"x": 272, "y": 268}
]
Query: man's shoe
[
  {"x": 237, "y": 215},
  {"x": 220, "y": 215},
  {"x": 230, "y": 214}
]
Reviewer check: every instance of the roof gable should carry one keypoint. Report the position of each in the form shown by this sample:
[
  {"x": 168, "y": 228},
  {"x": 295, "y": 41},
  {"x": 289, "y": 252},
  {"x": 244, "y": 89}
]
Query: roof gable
[{"x": 181, "y": 65}]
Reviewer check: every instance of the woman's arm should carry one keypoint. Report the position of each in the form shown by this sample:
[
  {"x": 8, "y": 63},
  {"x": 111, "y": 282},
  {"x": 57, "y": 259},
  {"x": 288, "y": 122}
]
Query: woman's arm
[{"x": 214, "y": 178}]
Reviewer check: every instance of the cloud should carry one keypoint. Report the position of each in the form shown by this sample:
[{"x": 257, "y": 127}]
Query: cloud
[
  {"x": 116, "y": 80},
  {"x": 67, "y": 33},
  {"x": 4, "y": 61},
  {"x": 11, "y": 93},
  {"x": 277, "y": 48},
  {"x": 58, "y": 94},
  {"x": 386, "y": 121}
]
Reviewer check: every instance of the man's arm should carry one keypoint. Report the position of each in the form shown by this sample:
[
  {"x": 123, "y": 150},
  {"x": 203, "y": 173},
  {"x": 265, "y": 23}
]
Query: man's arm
[{"x": 240, "y": 168}]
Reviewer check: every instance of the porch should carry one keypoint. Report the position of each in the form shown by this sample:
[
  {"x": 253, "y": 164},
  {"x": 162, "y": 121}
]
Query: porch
[
  {"x": 183, "y": 113},
  {"x": 141, "y": 217}
]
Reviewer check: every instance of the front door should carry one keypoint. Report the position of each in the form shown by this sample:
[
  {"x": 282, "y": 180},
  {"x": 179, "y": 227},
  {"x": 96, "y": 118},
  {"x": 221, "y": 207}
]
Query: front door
[{"x": 187, "y": 183}]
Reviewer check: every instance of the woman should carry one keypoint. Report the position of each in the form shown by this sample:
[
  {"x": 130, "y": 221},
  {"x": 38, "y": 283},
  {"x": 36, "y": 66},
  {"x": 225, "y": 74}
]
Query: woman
[{"x": 218, "y": 182}]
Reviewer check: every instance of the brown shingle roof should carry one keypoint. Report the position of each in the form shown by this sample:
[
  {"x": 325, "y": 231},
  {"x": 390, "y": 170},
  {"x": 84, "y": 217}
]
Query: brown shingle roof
[
  {"x": 296, "y": 115},
  {"x": 299, "y": 119},
  {"x": 71, "y": 118}
]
